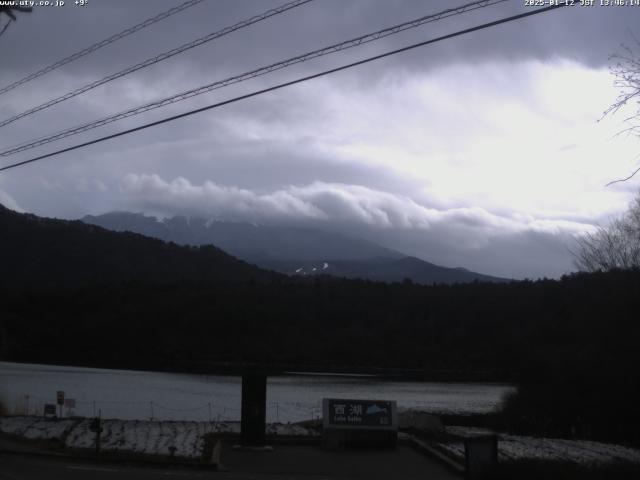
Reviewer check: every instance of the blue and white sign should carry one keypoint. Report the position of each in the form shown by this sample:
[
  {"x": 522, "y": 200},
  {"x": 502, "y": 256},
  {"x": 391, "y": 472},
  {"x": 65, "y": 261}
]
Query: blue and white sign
[{"x": 349, "y": 413}]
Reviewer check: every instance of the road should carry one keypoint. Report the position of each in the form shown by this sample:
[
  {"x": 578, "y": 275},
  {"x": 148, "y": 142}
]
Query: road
[
  {"x": 283, "y": 463},
  {"x": 27, "y": 467}
]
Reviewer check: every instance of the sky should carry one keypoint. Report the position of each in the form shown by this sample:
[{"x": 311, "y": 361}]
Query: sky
[{"x": 488, "y": 151}]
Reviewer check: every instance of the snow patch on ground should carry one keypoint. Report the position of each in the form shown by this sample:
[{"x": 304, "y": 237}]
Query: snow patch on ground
[
  {"x": 516, "y": 447},
  {"x": 36, "y": 428},
  {"x": 170, "y": 438},
  {"x": 186, "y": 439},
  {"x": 290, "y": 430}
]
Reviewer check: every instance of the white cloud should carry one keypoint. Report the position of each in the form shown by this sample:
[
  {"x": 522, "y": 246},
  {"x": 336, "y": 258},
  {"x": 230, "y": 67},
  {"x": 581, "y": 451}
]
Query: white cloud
[
  {"x": 326, "y": 203},
  {"x": 515, "y": 245},
  {"x": 522, "y": 135},
  {"x": 180, "y": 196},
  {"x": 9, "y": 202}
]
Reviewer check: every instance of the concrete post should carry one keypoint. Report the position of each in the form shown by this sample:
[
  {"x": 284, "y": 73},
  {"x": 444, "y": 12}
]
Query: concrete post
[
  {"x": 481, "y": 455},
  {"x": 254, "y": 409}
]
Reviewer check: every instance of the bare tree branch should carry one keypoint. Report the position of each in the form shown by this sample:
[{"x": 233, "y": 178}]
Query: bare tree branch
[
  {"x": 626, "y": 72},
  {"x": 9, "y": 11},
  {"x": 616, "y": 246},
  {"x": 624, "y": 179},
  {"x": 5, "y": 27}
]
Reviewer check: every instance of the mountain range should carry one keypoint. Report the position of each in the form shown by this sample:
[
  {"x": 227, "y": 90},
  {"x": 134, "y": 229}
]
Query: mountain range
[
  {"x": 290, "y": 250},
  {"x": 45, "y": 253}
]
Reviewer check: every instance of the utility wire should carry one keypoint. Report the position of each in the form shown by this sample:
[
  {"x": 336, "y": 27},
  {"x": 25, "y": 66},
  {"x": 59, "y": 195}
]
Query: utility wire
[
  {"x": 103, "y": 43},
  {"x": 289, "y": 83},
  {"x": 159, "y": 58},
  {"x": 354, "y": 42}
]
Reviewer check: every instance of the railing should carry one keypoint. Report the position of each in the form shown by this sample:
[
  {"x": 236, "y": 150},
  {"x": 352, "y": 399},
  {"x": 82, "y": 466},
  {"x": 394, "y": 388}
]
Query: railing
[{"x": 154, "y": 410}]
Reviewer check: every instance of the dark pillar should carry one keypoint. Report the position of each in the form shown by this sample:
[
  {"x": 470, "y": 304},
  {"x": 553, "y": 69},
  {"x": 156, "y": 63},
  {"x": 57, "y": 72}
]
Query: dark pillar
[
  {"x": 254, "y": 409},
  {"x": 481, "y": 454}
]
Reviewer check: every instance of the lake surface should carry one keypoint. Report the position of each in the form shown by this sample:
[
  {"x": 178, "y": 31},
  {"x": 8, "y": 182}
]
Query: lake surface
[{"x": 130, "y": 394}]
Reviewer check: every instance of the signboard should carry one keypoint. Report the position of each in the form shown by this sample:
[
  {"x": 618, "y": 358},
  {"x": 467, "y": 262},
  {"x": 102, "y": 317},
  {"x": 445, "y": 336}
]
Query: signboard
[
  {"x": 359, "y": 414},
  {"x": 60, "y": 397},
  {"x": 49, "y": 409},
  {"x": 70, "y": 402}
]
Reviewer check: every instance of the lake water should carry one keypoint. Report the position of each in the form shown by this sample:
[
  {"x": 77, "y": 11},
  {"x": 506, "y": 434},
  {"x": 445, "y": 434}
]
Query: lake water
[{"x": 129, "y": 394}]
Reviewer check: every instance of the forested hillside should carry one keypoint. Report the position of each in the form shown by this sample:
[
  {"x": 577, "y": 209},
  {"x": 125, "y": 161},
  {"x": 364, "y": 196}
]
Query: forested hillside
[
  {"x": 76, "y": 294},
  {"x": 40, "y": 252}
]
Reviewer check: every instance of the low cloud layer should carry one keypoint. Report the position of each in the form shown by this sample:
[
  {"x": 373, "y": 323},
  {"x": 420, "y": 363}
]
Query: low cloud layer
[
  {"x": 318, "y": 202},
  {"x": 451, "y": 236}
]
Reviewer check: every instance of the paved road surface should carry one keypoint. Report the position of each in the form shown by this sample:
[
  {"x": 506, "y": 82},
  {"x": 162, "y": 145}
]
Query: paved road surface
[{"x": 284, "y": 463}]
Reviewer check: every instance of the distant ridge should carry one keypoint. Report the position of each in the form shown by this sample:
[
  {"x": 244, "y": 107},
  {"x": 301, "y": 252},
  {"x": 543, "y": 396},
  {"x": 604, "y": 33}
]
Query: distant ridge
[
  {"x": 291, "y": 250},
  {"x": 384, "y": 270},
  {"x": 38, "y": 252},
  {"x": 246, "y": 240}
]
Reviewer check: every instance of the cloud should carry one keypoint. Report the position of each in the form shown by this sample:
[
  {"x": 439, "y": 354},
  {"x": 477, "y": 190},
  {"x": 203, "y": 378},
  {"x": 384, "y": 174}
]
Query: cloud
[
  {"x": 317, "y": 201},
  {"x": 481, "y": 151},
  {"x": 210, "y": 199},
  {"x": 325, "y": 203},
  {"x": 9, "y": 202},
  {"x": 88, "y": 186},
  {"x": 517, "y": 245}
]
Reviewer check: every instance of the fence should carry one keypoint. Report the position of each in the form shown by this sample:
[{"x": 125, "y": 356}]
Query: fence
[{"x": 279, "y": 412}]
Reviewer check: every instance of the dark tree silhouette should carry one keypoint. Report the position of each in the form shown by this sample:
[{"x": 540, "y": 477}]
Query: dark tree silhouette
[
  {"x": 9, "y": 11},
  {"x": 625, "y": 69},
  {"x": 614, "y": 246}
]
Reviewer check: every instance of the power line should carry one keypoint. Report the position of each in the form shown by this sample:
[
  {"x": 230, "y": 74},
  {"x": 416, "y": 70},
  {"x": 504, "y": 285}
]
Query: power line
[
  {"x": 254, "y": 73},
  {"x": 102, "y": 43},
  {"x": 159, "y": 58},
  {"x": 289, "y": 83}
]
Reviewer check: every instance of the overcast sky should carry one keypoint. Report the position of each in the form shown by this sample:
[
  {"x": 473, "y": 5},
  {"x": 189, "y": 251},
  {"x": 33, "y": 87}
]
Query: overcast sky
[{"x": 482, "y": 151}]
